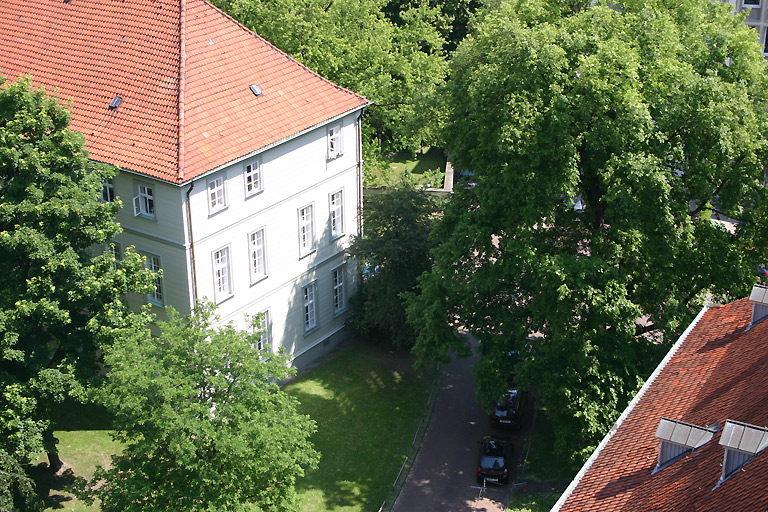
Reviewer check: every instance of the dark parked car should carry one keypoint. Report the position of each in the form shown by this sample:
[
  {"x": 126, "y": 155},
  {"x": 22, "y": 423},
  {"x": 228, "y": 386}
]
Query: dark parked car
[
  {"x": 508, "y": 411},
  {"x": 495, "y": 460}
]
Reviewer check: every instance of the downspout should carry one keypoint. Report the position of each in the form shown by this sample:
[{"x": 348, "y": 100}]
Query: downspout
[
  {"x": 359, "y": 130},
  {"x": 191, "y": 247}
]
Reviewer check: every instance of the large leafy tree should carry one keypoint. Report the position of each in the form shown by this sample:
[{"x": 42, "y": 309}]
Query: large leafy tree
[
  {"x": 205, "y": 425},
  {"x": 398, "y": 65},
  {"x": 59, "y": 292},
  {"x": 395, "y": 252},
  {"x": 608, "y": 140}
]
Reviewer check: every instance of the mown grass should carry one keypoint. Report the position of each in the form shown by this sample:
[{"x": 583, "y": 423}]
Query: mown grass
[
  {"x": 368, "y": 404},
  {"x": 532, "y": 502},
  {"x": 426, "y": 167}
]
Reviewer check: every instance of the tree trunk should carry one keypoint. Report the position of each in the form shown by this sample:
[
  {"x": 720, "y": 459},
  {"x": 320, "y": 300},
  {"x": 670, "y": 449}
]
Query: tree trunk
[{"x": 49, "y": 442}]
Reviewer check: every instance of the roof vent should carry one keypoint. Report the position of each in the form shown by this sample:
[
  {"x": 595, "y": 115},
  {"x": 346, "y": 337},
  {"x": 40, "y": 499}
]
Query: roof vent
[
  {"x": 759, "y": 298},
  {"x": 116, "y": 101},
  {"x": 678, "y": 438},
  {"x": 67, "y": 1},
  {"x": 742, "y": 441},
  {"x": 255, "y": 89}
]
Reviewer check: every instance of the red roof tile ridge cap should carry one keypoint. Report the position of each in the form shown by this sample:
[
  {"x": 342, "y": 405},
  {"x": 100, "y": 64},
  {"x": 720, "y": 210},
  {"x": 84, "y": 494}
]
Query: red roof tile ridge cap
[
  {"x": 287, "y": 56},
  {"x": 181, "y": 89},
  {"x": 593, "y": 457}
]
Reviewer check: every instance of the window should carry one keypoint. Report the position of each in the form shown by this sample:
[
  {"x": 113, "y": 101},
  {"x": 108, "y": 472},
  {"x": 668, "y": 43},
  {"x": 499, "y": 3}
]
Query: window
[
  {"x": 108, "y": 191},
  {"x": 153, "y": 264},
  {"x": 216, "y": 199},
  {"x": 309, "y": 307},
  {"x": 334, "y": 142},
  {"x": 337, "y": 214},
  {"x": 144, "y": 203},
  {"x": 338, "y": 290},
  {"x": 252, "y": 176},
  {"x": 265, "y": 331},
  {"x": 306, "y": 231},
  {"x": 258, "y": 255},
  {"x": 221, "y": 274},
  {"x": 116, "y": 251},
  {"x": 751, "y": 3}
]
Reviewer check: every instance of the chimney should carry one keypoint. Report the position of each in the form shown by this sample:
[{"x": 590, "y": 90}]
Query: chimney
[{"x": 759, "y": 298}]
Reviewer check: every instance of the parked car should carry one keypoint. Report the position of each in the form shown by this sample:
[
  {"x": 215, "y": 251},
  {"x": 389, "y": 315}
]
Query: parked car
[
  {"x": 495, "y": 460},
  {"x": 508, "y": 411}
]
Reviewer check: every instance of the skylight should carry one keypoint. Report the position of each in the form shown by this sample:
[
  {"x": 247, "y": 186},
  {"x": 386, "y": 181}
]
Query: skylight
[
  {"x": 677, "y": 438},
  {"x": 742, "y": 442},
  {"x": 255, "y": 89},
  {"x": 116, "y": 101}
]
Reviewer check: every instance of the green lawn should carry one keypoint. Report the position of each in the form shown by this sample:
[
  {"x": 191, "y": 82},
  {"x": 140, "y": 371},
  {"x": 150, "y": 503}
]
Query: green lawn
[
  {"x": 532, "y": 502},
  {"x": 368, "y": 404},
  {"x": 427, "y": 167},
  {"x": 543, "y": 463},
  {"x": 368, "y": 408}
]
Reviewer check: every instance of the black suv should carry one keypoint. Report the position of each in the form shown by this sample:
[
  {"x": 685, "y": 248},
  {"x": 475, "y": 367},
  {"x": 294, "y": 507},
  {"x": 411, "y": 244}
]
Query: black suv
[{"x": 495, "y": 460}]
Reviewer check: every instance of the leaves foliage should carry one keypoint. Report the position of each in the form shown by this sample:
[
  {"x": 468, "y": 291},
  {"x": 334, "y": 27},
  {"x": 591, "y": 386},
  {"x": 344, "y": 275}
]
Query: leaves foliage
[
  {"x": 205, "y": 425},
  {"x": 59, "y": 294},
  {"x": 609, "y": 141}
]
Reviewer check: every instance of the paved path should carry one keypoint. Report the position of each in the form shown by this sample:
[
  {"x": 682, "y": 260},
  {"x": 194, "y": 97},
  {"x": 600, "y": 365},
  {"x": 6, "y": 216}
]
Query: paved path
[{"x": 443, "y": 476}]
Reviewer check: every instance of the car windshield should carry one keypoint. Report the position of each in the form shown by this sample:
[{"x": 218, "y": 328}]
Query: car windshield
[{"x": 490, "y": 462}]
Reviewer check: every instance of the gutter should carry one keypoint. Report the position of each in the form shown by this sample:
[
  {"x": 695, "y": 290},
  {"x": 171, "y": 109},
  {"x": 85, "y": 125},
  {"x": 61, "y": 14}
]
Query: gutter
[{"x": 592, "y": 458}]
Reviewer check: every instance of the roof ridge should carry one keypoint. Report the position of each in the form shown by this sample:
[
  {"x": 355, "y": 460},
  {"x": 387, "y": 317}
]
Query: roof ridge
[
  {"x": 181, "y": 84},
  {"x": 287, "y": 56}
]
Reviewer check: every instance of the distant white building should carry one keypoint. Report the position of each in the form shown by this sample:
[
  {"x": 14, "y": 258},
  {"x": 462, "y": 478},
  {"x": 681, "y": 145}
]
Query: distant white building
[
  {"x": 757, "y": 17},
  {"x": 241, "y": 169}
]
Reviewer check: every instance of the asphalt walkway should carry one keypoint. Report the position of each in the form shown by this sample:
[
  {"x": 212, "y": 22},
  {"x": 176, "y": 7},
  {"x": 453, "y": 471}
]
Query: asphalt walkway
[{"x": 443, "y": 475}]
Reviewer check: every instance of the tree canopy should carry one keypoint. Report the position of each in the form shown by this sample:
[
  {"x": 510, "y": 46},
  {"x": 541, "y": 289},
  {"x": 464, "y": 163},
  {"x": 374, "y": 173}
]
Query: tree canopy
[
  {"x": 398, "y": 65},
  {"x": 205, "y": 425},
  {"x": 394, "y": 252},
  {"x": 59, "y": 292},
  {"x": 619, "y": 152}
]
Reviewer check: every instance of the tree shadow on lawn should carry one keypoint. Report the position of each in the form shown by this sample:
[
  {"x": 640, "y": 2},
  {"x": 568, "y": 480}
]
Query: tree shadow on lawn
[
  {"x": 368, "y": 403},
  {"x": 50, "y": 486},
  {"x": 56, "y": 488}
]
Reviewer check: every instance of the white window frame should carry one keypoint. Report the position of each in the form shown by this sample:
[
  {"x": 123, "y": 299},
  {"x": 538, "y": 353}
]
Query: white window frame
[
  {"x": 116, "y": 250},
  {"x": 336, "y": 213},
  {"x": 306, "y": 230},
  {"x": 153, "y": 263},
  {"x": 257, "y": 254},
  {"x": 144, "y": 201},
  {"x": 216, "y": 194},
  {"x": 252, "y": 178},
  {"x": 744, "y": 3},
  {"x": 309, "y": 307},
  {"x": 335, "y": 148},
  {"x": 266, "y": 334},
  {"x": 339, "y": 298},
  {"x": 222, "y": 274},
  {"x": 108, "y": 191}
]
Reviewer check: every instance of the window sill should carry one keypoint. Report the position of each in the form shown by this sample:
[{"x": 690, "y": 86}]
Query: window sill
[
  {"x": 217, "y": 211},
  {"x": 338, "y": 237},
  {"x": 224, "y": 299},
  {"x": 258, "y": 279},
  {"x": 254, "y": 193},
  {"x": 154, "y": 303},
  {"x": 153, "y": 218},
  {"x": 339, "y": 313},
  {"x": 310, "y": 331},
  {"x": 308, "y": 253}
]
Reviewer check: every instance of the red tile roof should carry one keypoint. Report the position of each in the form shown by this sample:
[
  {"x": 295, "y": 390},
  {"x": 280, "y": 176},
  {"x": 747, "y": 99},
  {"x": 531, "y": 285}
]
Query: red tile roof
[
  {"x": 183, "y": 70},
  {"x": 719, "y": 372}
]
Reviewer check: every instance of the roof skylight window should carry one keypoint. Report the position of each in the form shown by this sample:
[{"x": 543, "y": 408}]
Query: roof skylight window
[
  {"x": 116, "y": 101},
  {"x": 255, "y": 89},
  {"x": 742, "y": 442},
  {"x": 678, "y": 438}
]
